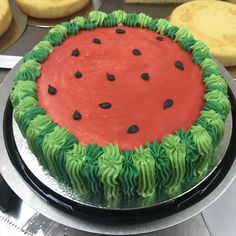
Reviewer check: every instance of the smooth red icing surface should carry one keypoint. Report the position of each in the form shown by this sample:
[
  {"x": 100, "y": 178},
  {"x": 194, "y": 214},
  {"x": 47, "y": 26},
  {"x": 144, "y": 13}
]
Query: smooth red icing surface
[{"x": 134, "y": 100}]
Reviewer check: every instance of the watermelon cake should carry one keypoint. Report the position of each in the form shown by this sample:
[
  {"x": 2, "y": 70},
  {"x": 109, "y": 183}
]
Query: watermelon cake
[{"x": 121, "y": 105}]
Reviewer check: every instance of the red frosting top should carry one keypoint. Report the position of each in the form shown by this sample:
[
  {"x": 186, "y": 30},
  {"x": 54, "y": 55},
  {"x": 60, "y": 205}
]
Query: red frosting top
[{"x": 134, "y": 100}]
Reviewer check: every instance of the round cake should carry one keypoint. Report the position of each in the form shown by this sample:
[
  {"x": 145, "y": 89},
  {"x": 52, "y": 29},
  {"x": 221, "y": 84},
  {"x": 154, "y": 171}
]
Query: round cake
[
  {"x": 204, "y": 19},
  {"x": 121, "y": 105},
  {"x": 51, "y": 9},
  {"x": 5, "y": 16}
]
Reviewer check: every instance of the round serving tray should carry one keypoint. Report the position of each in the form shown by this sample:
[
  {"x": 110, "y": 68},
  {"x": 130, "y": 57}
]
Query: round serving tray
[
  {"x": 33, "y": 173},
  {"x": 87, "y": 218}
]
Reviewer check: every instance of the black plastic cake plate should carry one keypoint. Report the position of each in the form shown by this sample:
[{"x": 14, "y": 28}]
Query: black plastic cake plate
[{"x": 117, "y": 215}]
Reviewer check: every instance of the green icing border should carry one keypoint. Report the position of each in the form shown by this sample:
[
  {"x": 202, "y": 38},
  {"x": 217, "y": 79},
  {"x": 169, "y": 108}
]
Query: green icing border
[{"x": 180, "y": 158}]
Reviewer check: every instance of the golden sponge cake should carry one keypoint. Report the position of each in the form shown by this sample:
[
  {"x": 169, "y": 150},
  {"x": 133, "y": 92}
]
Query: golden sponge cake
[
  {"x": 213, "y": 22},
  {"x": 51, "y": 9},
  {"x": 5, "y": 16}
]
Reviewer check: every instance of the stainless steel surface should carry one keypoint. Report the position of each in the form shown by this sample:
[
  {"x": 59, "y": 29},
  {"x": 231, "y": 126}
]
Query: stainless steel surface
[
  {"x": 32, "y": 163},
  {"x": 8, "y": 62},
  {"x": 18, "y": 185},
  {"x": 25, "y": 220},
  {"x": 16, "y": 220},
  {"x": 221, "y": 216}
]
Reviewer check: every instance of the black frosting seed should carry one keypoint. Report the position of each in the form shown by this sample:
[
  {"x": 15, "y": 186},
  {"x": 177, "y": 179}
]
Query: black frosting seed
[
  {"x": 110, "y": 77},
  {"x": 75, "y": 52},
  {"x": 105, "y": 105},
  {"x": 145, "y": 76},
  {"x": 76, "y": 115},
  {"x": 97, "y": 41},
  {"x": 160, "y": 38},
  {"x": 120, "y": 31},
  {"x": 133, "y": 129},
  {"x": 136, "y": 52},
  {"x": 52, "y": 90},
  {"x": 78, "y": 74},
  {"x": 168, "y": 103},
  {"x": 179, "y": 65}
]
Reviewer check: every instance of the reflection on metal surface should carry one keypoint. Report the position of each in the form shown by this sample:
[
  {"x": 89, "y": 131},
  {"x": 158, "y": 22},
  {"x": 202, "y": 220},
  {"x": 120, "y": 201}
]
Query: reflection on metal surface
[
  {"x": 16, "y": 28},
  {"x": 161, "y": 197},
  {"x": 47, "y": 23}
]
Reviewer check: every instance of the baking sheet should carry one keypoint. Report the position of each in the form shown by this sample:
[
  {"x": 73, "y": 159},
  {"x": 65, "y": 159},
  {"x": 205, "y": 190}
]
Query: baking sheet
[{"x": 138, "y": 202}]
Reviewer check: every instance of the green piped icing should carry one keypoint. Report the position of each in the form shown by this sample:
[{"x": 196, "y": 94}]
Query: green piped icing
[
  {"x": 98, "y": 17},
  {"x": 21, "y": 90},
  {"x": 200, "y": 46},
  {"x": 192, "y": 155},
  {"x": 163, "y": 25},
  {"x": 143, "y": 20},
  {"x": 44, "y": 45},
  {"x": 120, "y": 16},
  {"x": 29, "y": 56},
  {"x": 209, "y": 128},
  {"x": 24, "y": 105},
  {"x": 36, "y": 126},
  {"x": 110, "y": 165},
  {"x": 162, "y": 163},
  {"x": 131, "y": 19},
  {"x": 79, "y": 20},
  {"x": 215, "y": 106},
  {"x": 74, "y": 161},
  {"x": 89, "y": 24},
  {"x": 30, "y": 70},
  {"x": 176, "y": 153},
  {"x": 203, "y": 142},
  {"x": 220, "y": 98},
  {"x": 29, "y": 115},
  {"x": 200, "y": 52},
  {"x": 39, "y": 52},
  {"x": 72, "y": 27},
  {"x": 209, "y": 67},
  {"x": 57, "y": 35},
  {"x": 90, "y": 167},
  {"x": 153, "y": 24},
  {"x": 199, "y": 56},
  {"x": 30, "y": 64},
  {"x": 216, "y": 82},
  {"x": 216, "y": 121},
  {"x": 187, "y": 43},
  {"x": 171, "y": 31},
  {"x": 39, "y": 143},
  {"x": 110, "y": 21},
  {"x": 54, "y": 146},
  {"x": 60, "y": 157},
  {"x": 181, "y": 34},
  {"x": 209, "y": 63},
  {"x": 145, "y": 164},
  {"x": 210, "y": 71},
  {"x": 129, "y": 174}
]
